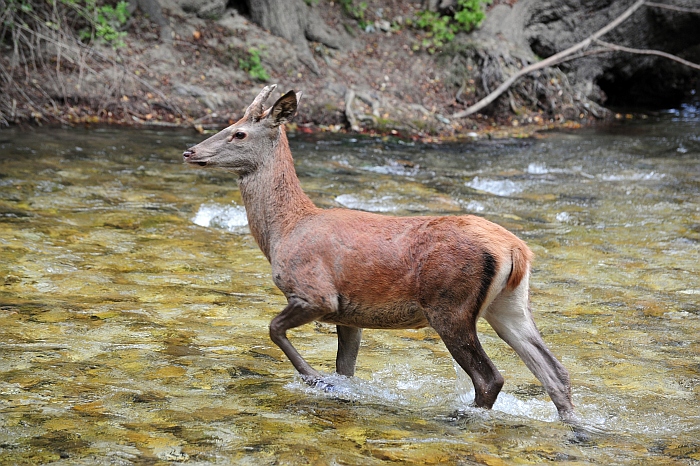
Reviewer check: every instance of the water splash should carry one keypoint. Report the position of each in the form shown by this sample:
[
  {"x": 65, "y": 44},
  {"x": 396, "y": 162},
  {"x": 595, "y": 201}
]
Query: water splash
[
  {"x": 563, "y": 217},
  {"x": 472, "y": 206},
  {"x": 505, "y": 403},
  {"x": 537, "y": 169},
  {"x": 394, "y": 167},
  {"x": 398, "y": 385},
  {"x": 232, "y": 218},
  {"x": 633, "y": 176},
  {"x": 497, "y": 187},
  {"x": 395, "y": 385},
  {"x": 377, "y": 204},
  {"x": 688, "y": 112}
]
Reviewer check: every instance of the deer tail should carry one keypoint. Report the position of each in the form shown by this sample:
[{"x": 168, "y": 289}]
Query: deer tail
[{"x": 520, "y": 266}]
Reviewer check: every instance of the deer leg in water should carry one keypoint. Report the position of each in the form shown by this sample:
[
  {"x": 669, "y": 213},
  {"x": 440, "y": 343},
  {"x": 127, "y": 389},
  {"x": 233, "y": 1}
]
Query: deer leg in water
[
  {"x": 461, "y": 340},
  {"x": 349, "y": 339},
  {"x": 510, "y": 317},
  {"x": 298, "y": 312}
]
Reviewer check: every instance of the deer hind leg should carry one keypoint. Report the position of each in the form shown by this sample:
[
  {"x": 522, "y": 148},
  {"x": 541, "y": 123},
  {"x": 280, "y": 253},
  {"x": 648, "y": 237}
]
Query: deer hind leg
[
  {"x": 458, "y": 332},
  {"x": 349, "y": 339},
  {"x": 298, "y": 312},
  {"x": 510, "y": 317}
]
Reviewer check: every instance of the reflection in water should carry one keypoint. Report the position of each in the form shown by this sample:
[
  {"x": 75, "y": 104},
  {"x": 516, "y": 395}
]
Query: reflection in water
[{"x": 134, "y": 305}]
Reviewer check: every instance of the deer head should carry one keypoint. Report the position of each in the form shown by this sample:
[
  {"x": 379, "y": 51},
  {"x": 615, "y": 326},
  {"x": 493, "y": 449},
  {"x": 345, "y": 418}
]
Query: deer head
[{"x": 248, "y": 143}]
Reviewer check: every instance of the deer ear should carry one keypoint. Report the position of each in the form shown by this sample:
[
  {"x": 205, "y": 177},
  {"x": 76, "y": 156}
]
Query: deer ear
[{"x": 284, "y": 109}]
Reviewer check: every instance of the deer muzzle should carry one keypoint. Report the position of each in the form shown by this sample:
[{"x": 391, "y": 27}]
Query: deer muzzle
[{"x": 188, "y": 156}]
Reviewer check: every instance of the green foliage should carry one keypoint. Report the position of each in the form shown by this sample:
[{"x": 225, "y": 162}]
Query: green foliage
[
  {"x": 253, "y": 65},
  {"x": 356, "y": 12},
  {"x": 442, "y": 29},
  {"x": 88, "y": 19},
  {"x": 106, "y": 22}
]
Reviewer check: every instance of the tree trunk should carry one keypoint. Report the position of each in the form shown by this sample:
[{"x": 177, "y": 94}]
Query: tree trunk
[
  {"x": 296, "y": 22},
  {"x": 512, "y": 38},
  {"x": 622, "y": 79}
]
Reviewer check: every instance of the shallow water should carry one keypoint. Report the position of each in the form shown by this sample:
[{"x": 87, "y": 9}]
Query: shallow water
[{"x": 134, "y": 305}]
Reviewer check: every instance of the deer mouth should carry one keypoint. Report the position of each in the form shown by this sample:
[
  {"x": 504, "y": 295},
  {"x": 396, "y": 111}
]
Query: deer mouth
[{"x": 196, "y": 162}]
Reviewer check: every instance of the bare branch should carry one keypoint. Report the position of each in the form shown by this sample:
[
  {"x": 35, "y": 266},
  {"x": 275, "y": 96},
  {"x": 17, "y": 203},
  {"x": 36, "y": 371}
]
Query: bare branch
[
  {"x": 673, "y": 7},
  {"x": 648, "y": 52},
  {"x": 77, "y": 47},
  {"x": 550, "y": 61}
]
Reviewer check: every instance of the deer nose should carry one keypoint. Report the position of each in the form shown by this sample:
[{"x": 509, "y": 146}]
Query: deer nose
[{"x": 188, "y": 153}]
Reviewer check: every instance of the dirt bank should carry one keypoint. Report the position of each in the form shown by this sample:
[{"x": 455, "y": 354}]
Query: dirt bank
[{"x": 381, "y": 79}]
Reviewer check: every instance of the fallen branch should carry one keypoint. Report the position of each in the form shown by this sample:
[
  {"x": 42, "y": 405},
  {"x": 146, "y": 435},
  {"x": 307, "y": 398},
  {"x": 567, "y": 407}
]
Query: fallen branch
[
  {"x": 658, "y": 53},
  {"x": 553, "y": 60},
  {"x": 673, "y": 7}
]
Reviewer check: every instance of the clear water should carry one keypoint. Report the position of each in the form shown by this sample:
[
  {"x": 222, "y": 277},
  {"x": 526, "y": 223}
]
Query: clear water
[{"x": 134, "y": 305}]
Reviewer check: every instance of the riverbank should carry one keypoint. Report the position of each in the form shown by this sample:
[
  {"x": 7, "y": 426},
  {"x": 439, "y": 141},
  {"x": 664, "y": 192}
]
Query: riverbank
[{"x": 382, "y": 80}]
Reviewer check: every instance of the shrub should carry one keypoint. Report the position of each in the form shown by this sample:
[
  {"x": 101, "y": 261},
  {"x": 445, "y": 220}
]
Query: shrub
[
  {"x": 253, "y": 65},
  {"x": 357, "y": 12},
  {"x": 441, "y": 29},
  {"x": 24, "y": 20}
]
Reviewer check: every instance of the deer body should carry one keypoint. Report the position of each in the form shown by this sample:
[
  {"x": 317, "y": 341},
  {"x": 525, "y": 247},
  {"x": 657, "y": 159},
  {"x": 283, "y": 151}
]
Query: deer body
[{"x": 360, "y": 270}]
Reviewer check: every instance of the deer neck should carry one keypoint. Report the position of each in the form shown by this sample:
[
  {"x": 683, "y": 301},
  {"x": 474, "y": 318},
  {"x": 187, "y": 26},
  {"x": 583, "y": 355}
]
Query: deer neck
[{"x": 273, "y": 197}]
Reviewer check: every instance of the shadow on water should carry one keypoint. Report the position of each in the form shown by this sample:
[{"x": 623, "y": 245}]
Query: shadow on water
[{"x": 134, "y": 305}]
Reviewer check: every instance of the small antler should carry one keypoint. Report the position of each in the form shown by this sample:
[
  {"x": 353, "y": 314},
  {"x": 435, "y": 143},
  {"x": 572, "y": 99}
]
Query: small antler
[{"x": 255, "y": 110}]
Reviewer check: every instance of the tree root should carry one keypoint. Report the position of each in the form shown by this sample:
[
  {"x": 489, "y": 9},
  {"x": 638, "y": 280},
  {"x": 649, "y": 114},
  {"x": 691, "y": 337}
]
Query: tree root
[
  {"x": 352, "y": 117},
  {"x": 551, "y": 61},
  {"x": 576, "y": 51}
]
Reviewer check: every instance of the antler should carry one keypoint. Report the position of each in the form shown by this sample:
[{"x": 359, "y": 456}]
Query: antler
[{"x": 255, "y": 110}]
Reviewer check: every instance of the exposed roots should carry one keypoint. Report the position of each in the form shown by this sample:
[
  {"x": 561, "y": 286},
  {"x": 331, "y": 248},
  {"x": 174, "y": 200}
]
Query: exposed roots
[{"x": 547, "y": 92}]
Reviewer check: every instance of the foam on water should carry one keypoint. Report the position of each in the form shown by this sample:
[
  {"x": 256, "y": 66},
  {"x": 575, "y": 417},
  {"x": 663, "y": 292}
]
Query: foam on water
[
  {"x": 537, "y": 169},
  {"x": 505, "y": 403},
  {"x": 688, "y": 112},
  {"x": 394, "y": 167},
  {"x": 397, "y": 385},
  {"x": 497, "y": 187},
  {"x": 563, "y": 217},
  {"x": 633, "y": 176},
  {"x": 377, "y": 204},
  {"x": 229, "y": 217},
  {"x": 472, "y": 206}
]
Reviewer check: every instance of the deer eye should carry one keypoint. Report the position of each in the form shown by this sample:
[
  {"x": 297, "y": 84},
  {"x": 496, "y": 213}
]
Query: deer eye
[{"x": 238, "y": 135}]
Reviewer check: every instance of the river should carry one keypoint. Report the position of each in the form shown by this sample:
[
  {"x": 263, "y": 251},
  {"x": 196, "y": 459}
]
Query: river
[{"x": 134, "y": 305}]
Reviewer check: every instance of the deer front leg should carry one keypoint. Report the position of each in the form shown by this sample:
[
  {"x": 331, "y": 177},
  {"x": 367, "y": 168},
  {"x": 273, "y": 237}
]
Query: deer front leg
[
  {"x": 349, "y": 339},
  {"x": 298, "y": 312}
]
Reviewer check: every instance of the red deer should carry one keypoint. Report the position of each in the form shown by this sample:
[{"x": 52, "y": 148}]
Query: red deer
[{"x": 360, "y": 270}]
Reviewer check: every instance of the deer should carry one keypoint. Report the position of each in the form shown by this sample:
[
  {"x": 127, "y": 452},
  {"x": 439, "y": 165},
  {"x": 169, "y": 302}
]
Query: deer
[{"x": 356, "y": 269}]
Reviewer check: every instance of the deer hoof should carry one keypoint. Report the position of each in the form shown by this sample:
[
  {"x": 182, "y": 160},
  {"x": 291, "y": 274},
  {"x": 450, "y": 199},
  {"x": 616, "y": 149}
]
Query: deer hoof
[
  {"x": 316, "y": 381},
  {"x": 325, "y": 386}
]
